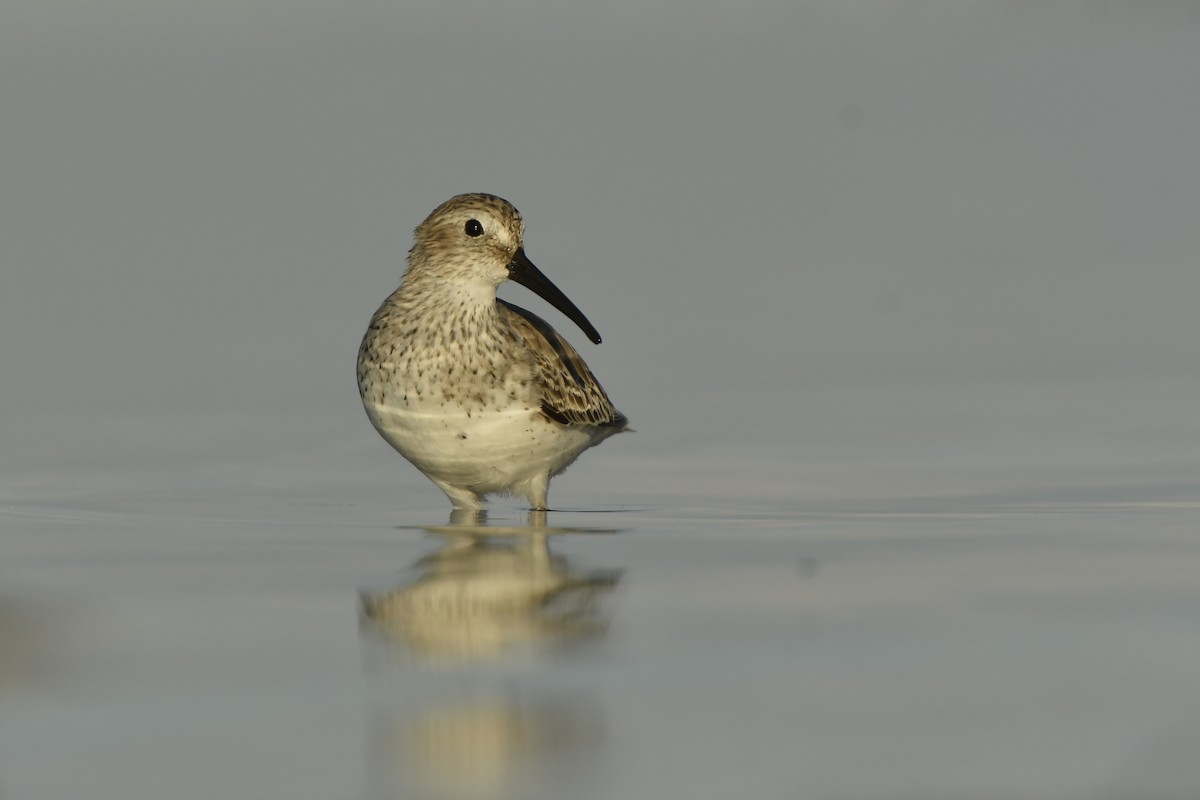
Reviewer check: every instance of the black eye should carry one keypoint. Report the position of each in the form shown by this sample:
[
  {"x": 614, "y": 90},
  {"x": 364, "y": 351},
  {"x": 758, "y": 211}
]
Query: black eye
[{"x": 474, "y": 228}]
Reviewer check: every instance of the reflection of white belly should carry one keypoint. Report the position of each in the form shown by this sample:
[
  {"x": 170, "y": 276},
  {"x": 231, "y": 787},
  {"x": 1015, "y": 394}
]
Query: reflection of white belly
[{"x": 488, "y": 451}]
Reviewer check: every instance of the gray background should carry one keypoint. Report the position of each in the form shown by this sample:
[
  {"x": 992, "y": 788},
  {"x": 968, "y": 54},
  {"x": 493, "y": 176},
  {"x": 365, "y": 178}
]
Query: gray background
[{"x": 835, "y": 249}]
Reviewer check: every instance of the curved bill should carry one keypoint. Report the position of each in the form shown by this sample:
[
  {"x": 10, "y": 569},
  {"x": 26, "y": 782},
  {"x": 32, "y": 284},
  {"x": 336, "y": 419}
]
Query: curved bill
[{"x": 525, "y": 273}]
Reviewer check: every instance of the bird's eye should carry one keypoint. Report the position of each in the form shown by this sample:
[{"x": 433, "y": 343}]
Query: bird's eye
[{"x": 474, "y": 228}]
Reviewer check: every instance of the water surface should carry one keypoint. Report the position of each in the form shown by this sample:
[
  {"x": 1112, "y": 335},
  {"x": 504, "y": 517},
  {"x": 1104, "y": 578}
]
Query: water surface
[{"x": 338, "y": 643}]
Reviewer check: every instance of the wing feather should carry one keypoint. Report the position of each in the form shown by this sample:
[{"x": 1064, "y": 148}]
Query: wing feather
[{"x": 571, "y": 395}]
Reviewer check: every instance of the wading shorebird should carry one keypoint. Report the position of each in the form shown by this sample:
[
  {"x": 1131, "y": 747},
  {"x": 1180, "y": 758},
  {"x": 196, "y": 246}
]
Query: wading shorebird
[{"x": 480, "y": 395}]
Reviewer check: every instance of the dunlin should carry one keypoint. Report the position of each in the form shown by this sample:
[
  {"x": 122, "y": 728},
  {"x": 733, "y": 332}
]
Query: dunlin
[{"x": 480, "y": 395}]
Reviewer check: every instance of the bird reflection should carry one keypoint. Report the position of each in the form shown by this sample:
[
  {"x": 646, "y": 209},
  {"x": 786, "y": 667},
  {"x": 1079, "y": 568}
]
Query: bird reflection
[
  {"x": 490, "y": 589},
  {"x": 488, "y": 746},
  {"x": 464, "y": 719}
]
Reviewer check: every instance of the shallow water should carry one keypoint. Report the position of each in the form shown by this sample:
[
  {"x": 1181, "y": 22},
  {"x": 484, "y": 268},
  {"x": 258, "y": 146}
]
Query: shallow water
[{"x": 235, "y": 642}]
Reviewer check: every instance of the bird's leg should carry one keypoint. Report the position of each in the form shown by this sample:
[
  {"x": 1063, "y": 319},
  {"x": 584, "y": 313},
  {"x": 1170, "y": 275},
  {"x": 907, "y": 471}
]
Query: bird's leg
[
  {"x": 461, "y": 497},
  {"x": 539, "y": 487}
]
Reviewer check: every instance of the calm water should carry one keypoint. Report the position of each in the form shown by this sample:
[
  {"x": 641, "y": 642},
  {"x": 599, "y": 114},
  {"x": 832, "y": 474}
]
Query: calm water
[{"x": 336, "y": 641}]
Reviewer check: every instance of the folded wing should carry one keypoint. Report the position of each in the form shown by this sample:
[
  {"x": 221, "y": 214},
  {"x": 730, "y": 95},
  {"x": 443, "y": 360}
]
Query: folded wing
[{"x": 571, "y": 395}]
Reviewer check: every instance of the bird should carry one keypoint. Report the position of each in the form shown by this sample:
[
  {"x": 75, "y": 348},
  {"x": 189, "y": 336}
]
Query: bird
[{"x": 480, "y": 395}]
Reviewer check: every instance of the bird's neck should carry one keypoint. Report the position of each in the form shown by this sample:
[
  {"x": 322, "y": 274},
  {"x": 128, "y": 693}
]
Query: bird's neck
[
  {"x": 431, "y": 295},
  {"x": 431, "y": 310},
  {"x": 430, "y": 282}
]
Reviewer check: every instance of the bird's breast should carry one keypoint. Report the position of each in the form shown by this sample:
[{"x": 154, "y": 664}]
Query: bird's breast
[{"x": 450, "y": 372}]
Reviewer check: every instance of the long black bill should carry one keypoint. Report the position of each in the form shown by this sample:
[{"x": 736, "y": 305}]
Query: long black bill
[{"x": 525, "y": 273}]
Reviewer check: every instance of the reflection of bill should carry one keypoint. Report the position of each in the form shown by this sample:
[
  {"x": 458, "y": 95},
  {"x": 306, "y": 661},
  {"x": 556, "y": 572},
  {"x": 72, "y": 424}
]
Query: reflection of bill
[{"x": 489, "y": 589}]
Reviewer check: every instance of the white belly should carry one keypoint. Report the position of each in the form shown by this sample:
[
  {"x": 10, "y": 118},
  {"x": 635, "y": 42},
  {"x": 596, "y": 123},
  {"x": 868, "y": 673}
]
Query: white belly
[{"x": 488, "y": 451}]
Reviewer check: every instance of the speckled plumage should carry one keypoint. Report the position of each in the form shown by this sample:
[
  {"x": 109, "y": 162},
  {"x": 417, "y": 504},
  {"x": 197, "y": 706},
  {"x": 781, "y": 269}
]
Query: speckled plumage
[{"x": 480, "y": 395}]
